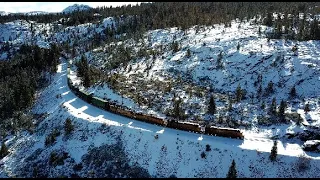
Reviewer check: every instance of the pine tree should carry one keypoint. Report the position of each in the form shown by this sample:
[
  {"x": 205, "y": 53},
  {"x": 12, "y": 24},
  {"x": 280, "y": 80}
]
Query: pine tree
[
  {"x": 238, "y": 47},
  {"x": 212, "y": 105},
  {"x": 282, "y": 109},
  {"x": 220, "y": 119},
  {"x": 263, "y": 105},
  {"x": 307, "y": 108},
  {"x": 177, "y": 109},
  {"x": 274, "y": 151},
  {"x": 293, "y": 92},
  {"x": 84, "y": 71},
  {"x": 188, "y": 53},
  {"x": 219, "y": 60},
  {"x": 269, "y": 19},
  {"x": 273, "y": 107},
  {"x": 259, "y": 91},
  {"x": 4, "y": 150},
  {"x": 259, "y": 31},
  {"x": 68, "y": 126},
  {"x": 229, "y": 104},
  {"x": 86, "y": 79},
  {"x": 175, "y": 46},
  {"x": 270, "y": 87},
  {"x": 238, "y": 93},
  {"x": 232, "y": 173}
]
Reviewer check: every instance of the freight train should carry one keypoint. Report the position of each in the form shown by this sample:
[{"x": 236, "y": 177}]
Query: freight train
[{"x": 171, "y": 123}]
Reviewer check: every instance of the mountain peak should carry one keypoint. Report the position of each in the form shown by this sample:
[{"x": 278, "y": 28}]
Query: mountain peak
[{"x": 76, "y": 7}]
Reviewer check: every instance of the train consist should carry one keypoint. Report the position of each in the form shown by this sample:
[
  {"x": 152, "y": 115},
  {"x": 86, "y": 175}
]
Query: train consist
[{"x": 171, "y": 123}]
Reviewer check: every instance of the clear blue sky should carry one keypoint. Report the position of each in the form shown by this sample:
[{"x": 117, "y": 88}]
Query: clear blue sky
[{"x": 51, "y": 6}]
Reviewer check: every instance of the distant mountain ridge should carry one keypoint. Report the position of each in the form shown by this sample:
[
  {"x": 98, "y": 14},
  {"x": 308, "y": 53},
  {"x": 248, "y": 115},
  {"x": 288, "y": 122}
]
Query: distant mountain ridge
[
  {"x": 4, "y": 13},
  {"x": 76, "y": 7},
  {"x": 69, "y": 9}
]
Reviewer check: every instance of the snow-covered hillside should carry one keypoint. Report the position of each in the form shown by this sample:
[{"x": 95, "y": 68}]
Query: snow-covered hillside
[
  {"x": 3, "y": 13},
  {"x": 175, "y": 152},
  {"x": 168, "y": 64},
  {"x": 195, "y": 78},
  {"x": 20, "y": 32},
  {"x": 76, "y": 7}
]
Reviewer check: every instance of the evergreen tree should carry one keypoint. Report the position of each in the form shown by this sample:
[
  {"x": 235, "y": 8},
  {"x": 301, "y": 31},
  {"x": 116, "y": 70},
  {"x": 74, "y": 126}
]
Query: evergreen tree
[
  {"x": 306, "y": 108},
  {"x": 177, "y": 109},
  {"x": 282, "y": 108},
  {"x": 268, "y": 21},
  {"x": 274, "y": 151},
  {"x": 270, "y": 88},
  {"x": 259, "y": 91},
  {"x": 68, "y": 126},
  {"x": 86, "y": 79},
  {"x": 84, "y": 71},
  {"x": 278, "y": 30},
  {"x": 212, "y": 105},
  {"x": 232, "y": 173},
  {"x": 259, "y": 31},
  {"x": 4, "y": 150},
  {"x": 238, "y": 93},
  {"x": 219, "y": 60},
  {"x": 293, "y": 92},
  {"x": 175, "y": 46},
  {"x": 220, "y": 119},
  {"x": 238, "y": 47},
  {"x": 273, "y": 107},
  {"x": 263, "y": 105},
  {"x": 188, "y": 53},
  {"x": 229, "y": 104}
]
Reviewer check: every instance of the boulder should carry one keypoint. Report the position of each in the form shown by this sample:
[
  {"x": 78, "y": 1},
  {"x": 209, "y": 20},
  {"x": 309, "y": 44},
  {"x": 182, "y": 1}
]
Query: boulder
[{"x": 311, "y": 145}]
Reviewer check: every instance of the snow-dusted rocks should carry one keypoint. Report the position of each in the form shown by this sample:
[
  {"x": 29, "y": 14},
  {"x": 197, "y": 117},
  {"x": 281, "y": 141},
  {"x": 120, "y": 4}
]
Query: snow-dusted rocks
[{"x": 311, "y": 145}]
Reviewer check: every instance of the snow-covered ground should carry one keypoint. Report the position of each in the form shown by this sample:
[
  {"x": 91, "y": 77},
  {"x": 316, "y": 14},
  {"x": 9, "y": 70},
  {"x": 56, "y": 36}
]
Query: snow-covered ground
[
  {"x": 273, "y": 60},
  {"x": 20, "y": 32},
  {"x": 174, "y": 152}
]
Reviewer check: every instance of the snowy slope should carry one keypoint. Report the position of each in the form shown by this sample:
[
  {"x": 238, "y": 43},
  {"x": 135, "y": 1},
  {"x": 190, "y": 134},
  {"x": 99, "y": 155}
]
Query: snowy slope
[
  {"x": 175, "y": 152},
  {"x": 20, "y": 31},
  {"x": 273, "y": 60},
  {"x": 3, "y": 13}
]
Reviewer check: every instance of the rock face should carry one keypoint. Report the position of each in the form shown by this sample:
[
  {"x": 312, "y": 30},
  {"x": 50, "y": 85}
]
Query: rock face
[
  {"x": 312, "y": 145},
  {"x": 76, "y": 7}
]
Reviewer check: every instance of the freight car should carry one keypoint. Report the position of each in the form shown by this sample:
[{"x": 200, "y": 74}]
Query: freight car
[
  {"x": 155, "y": 120},
  {"x": 141, "y": 117},
  {"x": 113, "y": 108},
  {"x": 187, "y": 126},
  {"x": 99, "y": 102},
  {"x": 86, "y": 96},
  {"x": 224, "y": 132},
  {"x": 150, "y": 119},
  {"x": 125, "y": 112}
]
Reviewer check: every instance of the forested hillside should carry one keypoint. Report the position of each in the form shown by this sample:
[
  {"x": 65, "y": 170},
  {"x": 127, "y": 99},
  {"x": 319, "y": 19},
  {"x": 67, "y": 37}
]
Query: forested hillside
[{"x": 248, "y": 67}]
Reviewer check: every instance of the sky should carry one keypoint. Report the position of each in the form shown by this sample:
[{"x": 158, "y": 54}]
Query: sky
[{"x": 52, "y": 6}]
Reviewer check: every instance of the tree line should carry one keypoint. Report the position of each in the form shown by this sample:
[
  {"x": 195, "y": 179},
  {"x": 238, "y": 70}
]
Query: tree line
[
  {"x": 28, "y": 70},
  {"x": 160, "y": 15}
]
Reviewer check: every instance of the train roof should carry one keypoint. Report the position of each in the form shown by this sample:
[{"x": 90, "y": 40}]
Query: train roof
[
  {"x": 191, "y": 123},
  {"x": 225, "y": 128},
  {"x": 99, "y": 99},
  {"x": 85, "y": 92}
]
